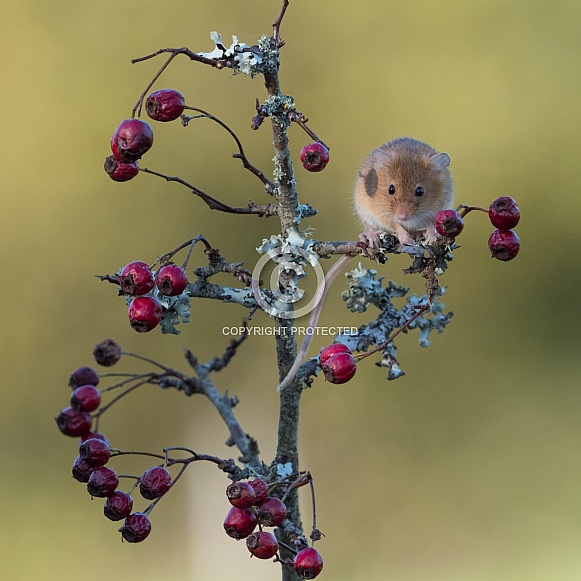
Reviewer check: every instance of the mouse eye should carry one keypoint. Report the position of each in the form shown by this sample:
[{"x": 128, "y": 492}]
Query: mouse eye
[
  {"x": 419, "y": 191},
  {"x": 391, "y": 190}
]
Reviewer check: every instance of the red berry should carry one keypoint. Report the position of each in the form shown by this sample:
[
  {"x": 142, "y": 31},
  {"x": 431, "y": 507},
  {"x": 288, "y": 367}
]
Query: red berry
[
  {"x": 154, "y": 483},
  {"x": 82, "y": 470},
  {"x": 241, "y": 495},
  {"x": 449, "y": 223},
  {"x": 107, "y": 353},
  {"x": 271, "y": 512},
  {"x": 102, "y": 482},
  {"x": 504, "y": 213},
  {"x": 73, "y": 422},
  {"x": 120, "y": 171},
  {"x": 314, "y": 156},
  {"x": 144, "y": 314},
  {"x": 132, "y": 139},
  {"x": 330, "y": 350},
  {"x": 260, "y": 490},
  {"x": 136, "y": 528},
  {"x": 262, "y": 544},
  {"x": 86, "y": 398},
  {"x": 118, "y": 506},
  {"x": 165, "y": 105},
  {"x": 308, "y": 563},
  {"x": 95, "y": 452},
  {"x": 339, "y": 368},
  {"x": 94, "y": 435},
  {"x": 136, "y": 279},
  {"x": 171, "y": 280},
  {"x": 239, "y": 523},
  {"x": 504, "y": 244},
  {"x": 83, "y": 376}
]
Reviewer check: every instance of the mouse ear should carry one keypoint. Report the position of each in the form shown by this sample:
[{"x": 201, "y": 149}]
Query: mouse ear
[{"x": 441, "y": 160}]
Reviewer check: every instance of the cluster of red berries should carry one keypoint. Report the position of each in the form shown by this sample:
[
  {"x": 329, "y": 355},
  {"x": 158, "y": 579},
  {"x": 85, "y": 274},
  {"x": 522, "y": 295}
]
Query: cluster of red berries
[
  {"x": 314, "y": 156},
  {"x": 251, "y": 507},
  {"x": 133, "y": 137}
]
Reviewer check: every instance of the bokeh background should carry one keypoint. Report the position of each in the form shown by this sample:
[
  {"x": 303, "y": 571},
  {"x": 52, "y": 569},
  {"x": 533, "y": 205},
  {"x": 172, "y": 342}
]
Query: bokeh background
[{"x": 469, "y": 467}]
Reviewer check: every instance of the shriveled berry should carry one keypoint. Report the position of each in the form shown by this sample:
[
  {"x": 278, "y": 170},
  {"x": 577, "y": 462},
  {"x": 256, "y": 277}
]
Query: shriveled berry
[
  {"x": 239, "y": 522},
  {"x": 171, "y": 280},
  {"x": 95, "y": 452},
  {"x": 262, "y": 544},
  {"x": 271, "y": 512},
  {"x": 449, "y": 223},
  {"x": 120, "y": 171},
  {"x": 504, "y": 244},
  {"x": 504, "y": 213},
  {"x": 154, "y": 483},
  {"x": 330, "y": 350},
  {"x": 136, "y": 279},
  {"x": 132, "y": 139},
  {"x": 165, "y": 105},
  {"x": 107, "y": 353},
  {"x": 308, "y": 563},
  {"x": 144, "y": 314},
  {"x": 97, "y": 435},
  {"x": 83, "y": 376},
  {"x": 339, "y": 368},
  {"x": 260, "y": 488},
  {"x": 102, "y": 482},
  {"x": 72, "y": 422},
  {"x": 241, "y": 495},
  {"x": 86, "y": 398},
  {"x": 118, "y": 506},
  {"x": 314, "y": 156},
  {"x": 82, "y": 470},
  {"x": 136, "y": 528}
]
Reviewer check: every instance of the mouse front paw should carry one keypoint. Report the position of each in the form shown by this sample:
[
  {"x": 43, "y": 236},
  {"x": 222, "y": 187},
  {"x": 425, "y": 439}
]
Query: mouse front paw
[
  {"x": 404, "y": 236},
  {"x": 371, "y": 239},
  {"x": 431, "y": 235}
]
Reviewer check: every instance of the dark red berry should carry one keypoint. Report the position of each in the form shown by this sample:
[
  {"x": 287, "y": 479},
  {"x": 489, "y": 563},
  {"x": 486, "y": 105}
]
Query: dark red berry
[
  {"x": 339, "y": 368},
  {"x": 136, "y": 279},
  {"x": 107, "y": 353},
  {"x": 72, "y": 422},
  {"x": 262, "y": 544},
  {"x": 308, "y": 563},
  {"x": 504, "y": 213},
  {"x": 82, "y": 470},
  {"x": 131, "y": 140},
  {"x": 120, "y": 171},
  {"x": 449, "y": 223},
  {"x": 165, "y": 105},
  {"x": 95, "y": 452},
  {"x": 97, "y": 435},
  {"x": 136, "y": 528},
  {"x": 118, "y": 506},
  {"x": 260, "y": 490},
  {"x": 86, "y": 398},
  {"x": 314, "y": 156},
  {"x": 241, "y": 495},
  {"x": 83, "y": 376},
  {"x": 271, "y": 512},
  {"x": 144, "y": 314},
  {"x": 330, "y": 350},
  {"x": 171, "y": 280},
  {"x": 154, "y": 483},
  {"x": 239, "y": 523},
  {"x": 504, "y": 244},
  {"x": 102, "y": 482}
]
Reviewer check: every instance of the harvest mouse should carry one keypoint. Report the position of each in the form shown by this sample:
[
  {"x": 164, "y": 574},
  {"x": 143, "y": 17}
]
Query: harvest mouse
[{"x": 399, "y": 189}]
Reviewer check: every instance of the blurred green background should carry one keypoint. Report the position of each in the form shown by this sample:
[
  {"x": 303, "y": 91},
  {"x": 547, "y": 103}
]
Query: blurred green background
[{"x": 468, "y": 468}]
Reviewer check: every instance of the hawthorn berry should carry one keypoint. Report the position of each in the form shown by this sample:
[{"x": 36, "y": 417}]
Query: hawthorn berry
[
  {"x": 136, "y": 279},
  {"x": 107, "y": 353},
  {"x": 120, "y": 171},
  {"x": 314, "y": 156},
  {"x": 339, "y": 368},
  {"x": 271, "y": 512},
  {"x": 95, "y": 452},
  {"x": 308, "y": 563},
  {"x": 102, "y": 482},
  {"x": 86, "y": 398},
  {"x": 504, "y": 213},
  {"x": 240, "y": 522},
  {"x": 82, "y": 470},
  {"x": 132, "y": 139},
  {"x": 504, "y": 244},
  {"x": 165, "y": 105},
  {"x": 262, "y": 544},
  {"x": 154, "y": 483},
  {"x": 241, "y": 495},
  {"x": 118, "y": 506},
  {"x": 72, "y": 422},
  {"x": 333, "y": 349},
  {"x": 83, "y": 376},
  {"x": 449, "y": 223},
  {"x": 171, "y": 280},
  {"x": 144, "y": 314},
  {"x": 136, "y": 528},
  {"x": 260, "y": 488}
]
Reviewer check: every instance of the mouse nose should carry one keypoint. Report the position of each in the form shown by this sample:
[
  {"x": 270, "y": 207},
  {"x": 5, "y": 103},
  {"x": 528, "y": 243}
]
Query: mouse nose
[{"x": 402, "y": 215}]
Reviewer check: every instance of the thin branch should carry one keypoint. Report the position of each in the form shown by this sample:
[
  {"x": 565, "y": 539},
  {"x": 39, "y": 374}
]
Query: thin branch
[
  {"x": 164, "y": 258},
  {"x": 218, "y": 363},
  {"x": 139, "y": 104},
  {"x": 216, "y": 63},
  {"x": 277, "y": 23},
  {"x": 301, "y": 121}
]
